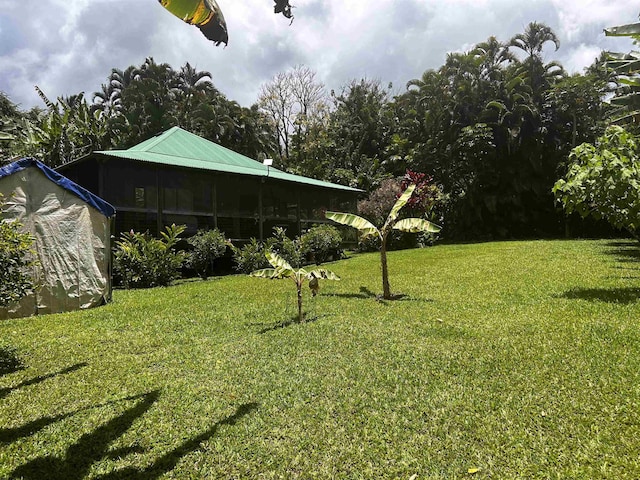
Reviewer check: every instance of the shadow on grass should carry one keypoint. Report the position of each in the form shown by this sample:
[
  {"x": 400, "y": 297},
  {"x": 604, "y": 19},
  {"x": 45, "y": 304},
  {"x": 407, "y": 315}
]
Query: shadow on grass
[
  {"x": 9, "y": 360},
  {"x": 292, "y": 321},
  {"x": 90, "y": 448},
  {"x": 364, "y": 294},
  {"x": 609, "y": 295},
  {"x": 7, "y": 390},
  {"x": 625, "y": 251},
  {"x": 8, "y": 435},
  {"x": 169, "y": 460},
  {"x": 93, "y": 447}
]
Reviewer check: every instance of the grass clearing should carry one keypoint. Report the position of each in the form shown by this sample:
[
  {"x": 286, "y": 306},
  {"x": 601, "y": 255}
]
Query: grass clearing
[{"x": 521, "y": 359}]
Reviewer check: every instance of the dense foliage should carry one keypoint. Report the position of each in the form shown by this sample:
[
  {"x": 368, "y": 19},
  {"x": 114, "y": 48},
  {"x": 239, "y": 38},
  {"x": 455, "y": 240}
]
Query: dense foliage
[
  {"x": 492, "y": 126},
  {"x": 142, "y": 261},
  {"x": 207, "y": 246},
  {"x": 15, "y": 260},
  {"x": 603, "y": 180}
]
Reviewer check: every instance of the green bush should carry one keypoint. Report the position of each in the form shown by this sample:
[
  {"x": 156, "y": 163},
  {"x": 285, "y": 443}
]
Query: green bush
[
  {"x": 250, "y": 257},
  {"x": 285, "y": 247},
  {"x": 207, "y": 245},
  {"x": 322, "y": 243},
  {"x": 142, "y": 261},
  {"x": 15, "y": 260}
]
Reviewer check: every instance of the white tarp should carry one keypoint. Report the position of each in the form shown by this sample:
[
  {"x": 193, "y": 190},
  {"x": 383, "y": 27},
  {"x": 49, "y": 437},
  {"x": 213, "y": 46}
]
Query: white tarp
[{"x": 71, "y": 243}]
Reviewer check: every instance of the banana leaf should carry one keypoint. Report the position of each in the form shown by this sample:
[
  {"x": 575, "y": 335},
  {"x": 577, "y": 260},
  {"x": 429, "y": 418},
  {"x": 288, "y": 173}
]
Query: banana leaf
[
  {"x": 322, "y": 273},
  {"x": 401, "y": 202},
  {"x": 204, "y": 14},
  {"x": 630, "y": 30},
  {"x": 415, "y": 225},
  {"x": 351, "y": 220}
]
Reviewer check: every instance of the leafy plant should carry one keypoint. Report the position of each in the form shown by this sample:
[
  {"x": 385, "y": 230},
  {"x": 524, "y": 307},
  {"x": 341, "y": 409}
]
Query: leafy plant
[
  {"x": 627, "y": 67},
  {"x": 143, "y": 261},
  {"x": 207, "y": 246},
  {"x": 15, "y": 260},
  {"x": 282, "y": 269},
  {"x": 392, "y": 223},
  {"x": 603, "y": 180},
  {"x": 250, "y": 256},
  {"x": 321, "y": 243}
]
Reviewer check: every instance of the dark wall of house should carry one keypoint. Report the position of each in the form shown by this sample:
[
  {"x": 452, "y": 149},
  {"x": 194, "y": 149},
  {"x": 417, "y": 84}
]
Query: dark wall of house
[{"x": 150, "y": 197}]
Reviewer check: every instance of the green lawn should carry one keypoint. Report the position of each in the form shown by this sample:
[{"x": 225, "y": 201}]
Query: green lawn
[{"x": 521, "y": 359}]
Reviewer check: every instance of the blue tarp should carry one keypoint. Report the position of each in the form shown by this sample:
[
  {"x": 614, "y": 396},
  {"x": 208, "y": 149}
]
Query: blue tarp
[{"x": 96, "y": 202}]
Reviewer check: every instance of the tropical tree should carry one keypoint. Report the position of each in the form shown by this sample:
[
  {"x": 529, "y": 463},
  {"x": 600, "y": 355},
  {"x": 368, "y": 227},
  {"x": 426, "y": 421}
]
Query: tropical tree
[
  {"x": 283, "y": 269},
  {"x": 367, "y": 228},
  {"x": 627, "y": 67},
  {"x": 603, "y": 180}
]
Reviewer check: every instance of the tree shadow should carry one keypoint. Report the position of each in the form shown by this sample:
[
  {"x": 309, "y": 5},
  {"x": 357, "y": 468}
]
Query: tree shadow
[
  {"x": 292, "y": 321},
  {"x": 90, "y": 448},
  {"x": 609, "y": 295},
  {"x": 8, "y": 435},
  {"x": 7, "y": 390},
  {"x": 624, "y": 251},
  {"x": 169, "y": 460},
  {"x": 364, "y": 294},
  {"x": 9, "y": 360}
]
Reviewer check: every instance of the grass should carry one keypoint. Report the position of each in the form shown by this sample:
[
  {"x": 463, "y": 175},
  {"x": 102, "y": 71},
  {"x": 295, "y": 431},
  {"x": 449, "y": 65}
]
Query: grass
[{"x": 520, "y": 359}]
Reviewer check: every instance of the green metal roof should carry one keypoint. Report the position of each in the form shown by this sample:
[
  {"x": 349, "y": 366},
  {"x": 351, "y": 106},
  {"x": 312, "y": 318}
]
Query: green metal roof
[{"x": 179, "y": 148}]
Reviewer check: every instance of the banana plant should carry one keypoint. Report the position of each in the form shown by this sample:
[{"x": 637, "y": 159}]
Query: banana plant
[
  {"x": 282, "y": 269},
  {"x": 367, "y": 228}
]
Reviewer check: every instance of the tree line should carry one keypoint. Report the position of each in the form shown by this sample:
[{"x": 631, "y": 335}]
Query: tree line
[{"x": 492, "y": 126}]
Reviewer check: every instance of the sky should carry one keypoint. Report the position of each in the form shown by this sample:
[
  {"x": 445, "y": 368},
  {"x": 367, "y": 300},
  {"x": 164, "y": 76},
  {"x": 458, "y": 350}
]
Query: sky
[{"x": 70, "y": 46}]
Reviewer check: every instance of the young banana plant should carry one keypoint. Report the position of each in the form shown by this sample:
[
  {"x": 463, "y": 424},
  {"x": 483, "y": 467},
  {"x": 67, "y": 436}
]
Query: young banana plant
[
  {"x": 282, "y": 269},
  {"x": 367, "y": 228}
]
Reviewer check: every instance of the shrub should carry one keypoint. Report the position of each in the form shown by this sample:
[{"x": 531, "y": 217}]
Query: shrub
[
  {"x": 143, "y": 261},
  {"x": 250, "y": 257},
  {"x": 322, "y": 243},
  {"x": 207, "y": 246},
  {"x": 15, "y": 260},
  {"x": 285, "y": 247}
]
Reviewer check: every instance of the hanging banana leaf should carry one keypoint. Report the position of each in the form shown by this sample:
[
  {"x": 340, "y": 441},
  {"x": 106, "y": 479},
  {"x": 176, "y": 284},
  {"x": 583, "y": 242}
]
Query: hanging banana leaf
[
  {"x": 204, "y": 14},
  {"x": 283, "y": 7},
  {"x": 365, "y": 226},
  {"x": 401, "y": 202},
  {"x": 415, "y": 225}
]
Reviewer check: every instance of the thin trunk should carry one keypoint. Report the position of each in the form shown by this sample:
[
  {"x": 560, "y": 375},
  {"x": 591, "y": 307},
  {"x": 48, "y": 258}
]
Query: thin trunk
[
  {"x": 300, "y": 317},
  {"x": 386, "y": 289}
]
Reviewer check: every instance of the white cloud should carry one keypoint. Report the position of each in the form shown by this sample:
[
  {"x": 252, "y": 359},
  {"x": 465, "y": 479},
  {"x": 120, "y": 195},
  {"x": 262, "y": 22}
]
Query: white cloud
[{"x": 72, "y": 45}]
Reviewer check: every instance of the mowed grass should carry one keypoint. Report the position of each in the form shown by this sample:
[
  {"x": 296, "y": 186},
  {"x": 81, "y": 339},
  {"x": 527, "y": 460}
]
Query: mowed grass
[{"x": 515, "y": 359}]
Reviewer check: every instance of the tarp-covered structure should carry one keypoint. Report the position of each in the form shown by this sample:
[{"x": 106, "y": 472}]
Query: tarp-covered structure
[{"x": 71, "y": 228}]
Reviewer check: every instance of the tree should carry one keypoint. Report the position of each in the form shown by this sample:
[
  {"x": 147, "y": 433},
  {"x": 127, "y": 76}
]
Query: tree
[
  {"x": 627, "y": 67},
  {"x": 291, "y": 100},
  {"x": 603, "y": 180},
  {"x": 367, "y": 228},
  {"x": 15, "y": 250},
  {"x": 282, "y": 269}
]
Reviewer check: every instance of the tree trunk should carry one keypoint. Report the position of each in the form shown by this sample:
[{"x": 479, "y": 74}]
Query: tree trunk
[
  {"x": 386, "y": 290},
  {"x": 300, "y": 317}
]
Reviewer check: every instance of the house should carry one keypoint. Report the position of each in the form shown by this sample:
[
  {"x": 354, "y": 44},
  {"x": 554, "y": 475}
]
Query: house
[
  {"x": 71, "y": 231},
  {"x": 178, "y": 177}
]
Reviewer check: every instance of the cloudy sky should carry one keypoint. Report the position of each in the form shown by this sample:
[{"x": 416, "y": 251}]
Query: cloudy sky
[{"x": 69, "y": 46}]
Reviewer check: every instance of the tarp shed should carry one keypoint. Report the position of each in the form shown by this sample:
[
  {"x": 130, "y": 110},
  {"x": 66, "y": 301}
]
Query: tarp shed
[{"x": 71, "y": 228}]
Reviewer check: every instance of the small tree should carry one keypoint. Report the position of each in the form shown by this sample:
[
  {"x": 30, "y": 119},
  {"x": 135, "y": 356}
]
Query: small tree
[
  {"x": 282, "y": 269},
  {"x": 207, "y": 246},
  {"x": 367, "y": 228},
  {"x": 143, "y": 261},
  {"x": 603, "y": 181},
  {"x": 15, "y": 249}
]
